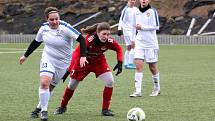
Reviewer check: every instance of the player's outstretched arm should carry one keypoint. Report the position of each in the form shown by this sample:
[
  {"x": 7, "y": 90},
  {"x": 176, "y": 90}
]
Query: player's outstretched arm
[{"x": 33, "y": 46}]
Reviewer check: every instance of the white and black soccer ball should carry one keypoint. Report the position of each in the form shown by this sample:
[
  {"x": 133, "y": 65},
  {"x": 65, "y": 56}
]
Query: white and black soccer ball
[{"x": 136, "y": 114}]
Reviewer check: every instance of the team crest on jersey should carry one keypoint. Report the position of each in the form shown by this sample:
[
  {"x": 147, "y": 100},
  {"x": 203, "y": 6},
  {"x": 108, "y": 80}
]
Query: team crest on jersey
[
  {"x": 103, "y": 48},
  {"x": 110, "y": 40},
  {"x": 90, "y": 39},
  {"x": 148, "y": 14}
]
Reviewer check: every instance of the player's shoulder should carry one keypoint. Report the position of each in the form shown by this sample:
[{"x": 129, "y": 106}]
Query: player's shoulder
[
  {"x": 64, "y": 23},
  {"x": 44, "y": 27},
  {"x": 152, "y": 9},
  {"x": 90, "y": 37}
]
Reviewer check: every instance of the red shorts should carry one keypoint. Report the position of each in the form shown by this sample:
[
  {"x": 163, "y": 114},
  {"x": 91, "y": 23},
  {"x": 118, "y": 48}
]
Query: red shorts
[{"x": 98, "y": 67}]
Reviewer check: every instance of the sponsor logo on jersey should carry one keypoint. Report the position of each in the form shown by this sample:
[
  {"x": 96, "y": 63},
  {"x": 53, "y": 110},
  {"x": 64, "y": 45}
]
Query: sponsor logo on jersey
[{"x": 90, "y": 39}]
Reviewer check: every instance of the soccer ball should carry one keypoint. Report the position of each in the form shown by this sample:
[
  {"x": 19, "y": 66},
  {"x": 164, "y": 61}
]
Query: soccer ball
[{"x": 136, "y": 114}]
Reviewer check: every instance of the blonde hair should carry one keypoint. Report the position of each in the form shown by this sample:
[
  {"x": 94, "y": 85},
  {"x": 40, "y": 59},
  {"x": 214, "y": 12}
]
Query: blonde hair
[{"x": 98, "y": 27}]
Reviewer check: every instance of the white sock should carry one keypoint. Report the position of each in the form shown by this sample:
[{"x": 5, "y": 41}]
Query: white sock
[
  {"x": 44, "y": 96},
  {"x": 39, "y": 104},
  {"x": 156, "y": 81},
  {"x": 138, "y": 81},
  {"x": 131, "y": 57},
  {"x": 126, "y": 57}
]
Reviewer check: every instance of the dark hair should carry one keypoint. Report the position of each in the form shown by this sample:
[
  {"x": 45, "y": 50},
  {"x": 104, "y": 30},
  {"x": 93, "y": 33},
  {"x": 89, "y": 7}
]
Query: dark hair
[
  {"x": 96, "y": 28},
  {"x": 50, "y": 10}
]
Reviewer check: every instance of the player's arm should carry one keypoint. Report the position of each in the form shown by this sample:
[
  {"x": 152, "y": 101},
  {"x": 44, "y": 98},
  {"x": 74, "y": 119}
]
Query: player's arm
[
  {"x": 119, "y": 52},
  {"x": 33, "y": 46},
  {"x": 121, "y": 22},
  {"x": 83, "y": 50}
]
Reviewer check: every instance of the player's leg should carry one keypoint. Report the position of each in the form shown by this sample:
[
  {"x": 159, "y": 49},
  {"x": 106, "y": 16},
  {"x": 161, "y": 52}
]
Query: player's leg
[
  {"x": 44, "y": 95},
  {"x": 68, "y": 93},
  {"x": 47, "y": 72},
  {"x": 139, "y": 62},
  {"x": 151, "y": 59},
  {"x": 126, "y": 54},
  {"x": 129, "y": 54},
  {"x": 138, "y": 78},
  {"x": 76, "y": 77},
  {"x": 108, "y": 79}
]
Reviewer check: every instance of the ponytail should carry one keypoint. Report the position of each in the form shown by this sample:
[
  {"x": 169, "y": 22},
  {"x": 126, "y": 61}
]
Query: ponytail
[
  {"x": 90, "y": 29},
  {"x": 98, "y": 27}
]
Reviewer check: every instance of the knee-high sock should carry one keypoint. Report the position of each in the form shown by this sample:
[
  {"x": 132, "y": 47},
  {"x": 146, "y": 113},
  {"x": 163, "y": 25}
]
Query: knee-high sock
[
  {"x": 68, "y": 93},
  {"x": 126, "y": 57},
  {"x": 44, "y": 96},
  {"x": 131, "y": 57},
  {"x": 39, "y": 104},
  {"x": 107, "y": 94},
  {"x": 138, "y": 81},
  {"x": 156, "y": 81}
]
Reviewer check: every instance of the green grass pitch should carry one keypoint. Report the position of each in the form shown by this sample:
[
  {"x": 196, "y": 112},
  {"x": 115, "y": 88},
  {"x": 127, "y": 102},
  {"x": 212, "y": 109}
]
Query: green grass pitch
[{"x": 187, "y": 88}]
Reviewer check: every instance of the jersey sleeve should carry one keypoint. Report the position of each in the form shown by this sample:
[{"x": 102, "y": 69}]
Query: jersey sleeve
[
  {"x": 121, "y": 19},
  {"x": 153, "y": 21},
  {"x": 113, "y": 45},
  {"x": 39, "y": 37}
]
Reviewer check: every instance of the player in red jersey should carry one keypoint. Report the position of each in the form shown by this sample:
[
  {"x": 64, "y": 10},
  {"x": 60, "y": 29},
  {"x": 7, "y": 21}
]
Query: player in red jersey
[{"x": 98, "y": 41}]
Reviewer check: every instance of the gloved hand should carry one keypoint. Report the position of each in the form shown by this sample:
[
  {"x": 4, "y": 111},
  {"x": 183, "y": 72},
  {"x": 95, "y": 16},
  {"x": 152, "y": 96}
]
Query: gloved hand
[
  {"x": 119, "y": 33},
  {"x": 65, "y": 75},
  {"x": 118, "y": 67}
]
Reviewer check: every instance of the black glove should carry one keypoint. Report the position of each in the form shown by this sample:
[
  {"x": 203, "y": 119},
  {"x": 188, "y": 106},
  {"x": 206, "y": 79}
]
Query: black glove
[
  {"x": 65, "y": 76},
  {"x": 119, "y": 33},
  {"x": 118, "y": 66}
]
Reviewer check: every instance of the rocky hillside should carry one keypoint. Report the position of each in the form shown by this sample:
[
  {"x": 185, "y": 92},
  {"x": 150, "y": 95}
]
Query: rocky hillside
[{"x": 25, "y": 16}]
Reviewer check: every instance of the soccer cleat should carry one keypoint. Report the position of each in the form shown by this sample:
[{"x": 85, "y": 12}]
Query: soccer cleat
[
  {"x": 155, "y": 92},
  {"x": 130, "y": 66},
  {"x": 136, "y": 94},
  {"x": 106, "y": 112},
  {"x": 35, "y": 113},
  {"x": 60, "y": 110},
  {"x": 44, "y": 116}
]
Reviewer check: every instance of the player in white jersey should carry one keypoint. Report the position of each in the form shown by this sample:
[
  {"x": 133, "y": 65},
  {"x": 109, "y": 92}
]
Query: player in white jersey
[
  {"x": 126, "y": 27},
  {"x": 57, "y": 37},
  {"x": 146, "y": 47}
]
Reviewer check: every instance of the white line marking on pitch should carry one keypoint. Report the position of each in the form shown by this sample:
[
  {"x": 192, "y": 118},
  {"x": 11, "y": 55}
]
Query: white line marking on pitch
[{"x": 12, "y": 52}]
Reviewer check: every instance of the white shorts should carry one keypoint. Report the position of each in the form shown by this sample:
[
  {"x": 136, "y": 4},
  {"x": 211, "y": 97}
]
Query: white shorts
[
  {"x": 47, "y": 69},
  {"x": 149, "y": 55},
  {"x": 129, "y": 36}
]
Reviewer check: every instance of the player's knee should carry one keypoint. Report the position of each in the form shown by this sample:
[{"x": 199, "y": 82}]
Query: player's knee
[
  {"x": 73, "y": 84},
  {"x": 109, "y": 82},
  {"x": 44, "y": 85}
]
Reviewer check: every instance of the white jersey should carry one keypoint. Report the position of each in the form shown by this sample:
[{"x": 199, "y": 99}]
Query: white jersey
[
  {"x": 146, "y": 37},
  {"x": 58, "y": 43},
  {"x": 127, "y": 19}
]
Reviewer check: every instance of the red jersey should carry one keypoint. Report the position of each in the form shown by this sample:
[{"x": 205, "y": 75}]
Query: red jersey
[{"x": 95, "y": 53}]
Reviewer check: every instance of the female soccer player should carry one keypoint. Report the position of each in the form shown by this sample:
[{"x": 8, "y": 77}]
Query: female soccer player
[
  {"x": 126, "y": 26},
  {"x": 57, "y": 37},
  {"x": 146, "y": 47},
  {"x": 98, "y": 41}
]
